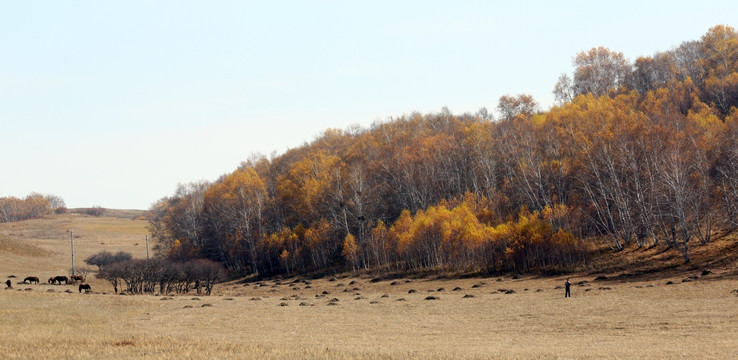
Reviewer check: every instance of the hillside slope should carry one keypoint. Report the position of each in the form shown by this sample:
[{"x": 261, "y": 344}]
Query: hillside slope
[{"x": 41, "y": 247}]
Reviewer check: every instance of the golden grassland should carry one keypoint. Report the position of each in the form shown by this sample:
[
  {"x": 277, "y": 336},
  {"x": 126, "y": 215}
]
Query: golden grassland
[{"x": 352, "y": 317}]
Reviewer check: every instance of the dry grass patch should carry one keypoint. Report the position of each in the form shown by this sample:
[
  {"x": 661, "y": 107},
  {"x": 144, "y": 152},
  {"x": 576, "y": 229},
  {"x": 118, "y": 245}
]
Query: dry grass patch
[
  {"x": 686, "y": 320},
  {"x": 21, "y": 248},
  {"x": 657, "y": 262}
]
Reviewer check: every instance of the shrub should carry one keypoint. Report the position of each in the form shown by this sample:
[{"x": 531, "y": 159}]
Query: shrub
[{"x": 104, "y": 258}]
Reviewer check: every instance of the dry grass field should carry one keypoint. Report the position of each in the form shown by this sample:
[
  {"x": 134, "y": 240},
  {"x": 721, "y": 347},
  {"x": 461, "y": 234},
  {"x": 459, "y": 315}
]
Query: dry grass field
[{"x": 351, "y": 317}]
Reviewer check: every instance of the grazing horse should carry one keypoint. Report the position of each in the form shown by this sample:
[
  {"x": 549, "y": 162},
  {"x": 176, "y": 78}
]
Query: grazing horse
[
  {"x": 59, "y": 279},
  {"x": 31, "y": 280},
  {"x": 85, "y": 287},
  {"x": 77, "y": 277}
]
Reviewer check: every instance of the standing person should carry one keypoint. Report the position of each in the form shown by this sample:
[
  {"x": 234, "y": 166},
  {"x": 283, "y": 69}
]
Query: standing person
[{"x": 567, "y": 286}]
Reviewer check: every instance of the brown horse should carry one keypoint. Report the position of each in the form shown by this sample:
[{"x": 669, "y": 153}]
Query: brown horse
[
  {"x": 31, "y": 280},
  {"x": 85, "y": 287},
  {"x": 77, "y": 277}
]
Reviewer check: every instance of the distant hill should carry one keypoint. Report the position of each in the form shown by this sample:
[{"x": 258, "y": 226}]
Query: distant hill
[
  {"x": 41, "y": 247},
  {"x": 116, "y": 213}
]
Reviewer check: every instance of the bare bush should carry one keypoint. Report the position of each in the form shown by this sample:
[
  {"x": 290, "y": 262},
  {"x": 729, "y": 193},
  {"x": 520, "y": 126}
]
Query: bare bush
[
  {"x": 94, "y": 211},
  {"x": 143, "y": 275}
]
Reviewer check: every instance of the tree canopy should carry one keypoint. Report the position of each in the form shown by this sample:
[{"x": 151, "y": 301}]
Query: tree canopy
[{"x": 639, "y": 153}]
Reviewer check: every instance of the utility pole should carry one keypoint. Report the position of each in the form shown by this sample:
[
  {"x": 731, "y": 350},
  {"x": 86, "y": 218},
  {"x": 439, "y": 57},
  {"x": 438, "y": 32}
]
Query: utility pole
[
  {"x": 147, "y": 246},
  {"x": 71, "y": 238}
]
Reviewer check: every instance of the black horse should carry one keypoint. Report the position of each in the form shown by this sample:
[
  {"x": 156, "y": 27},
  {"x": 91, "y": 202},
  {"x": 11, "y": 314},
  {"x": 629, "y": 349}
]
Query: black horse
[
  {"x": 85, "y": 287},
  {"x": 9, "y": 283},
  {"x": 31, "y": 280},
  {"x": 59, "y": 279}
]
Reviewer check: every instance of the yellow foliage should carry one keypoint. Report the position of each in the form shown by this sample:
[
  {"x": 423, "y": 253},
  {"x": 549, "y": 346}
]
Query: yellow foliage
[
  {"x": 400, "y": 229},
  {"x": 350, "y": 249},
  {"x": 454, "y": 238}
]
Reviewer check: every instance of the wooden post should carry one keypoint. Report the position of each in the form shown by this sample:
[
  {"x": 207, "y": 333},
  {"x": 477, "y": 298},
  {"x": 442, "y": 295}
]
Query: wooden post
[
  {"x": 71, "y": 238},
  {"x": 147, "y": 246}
]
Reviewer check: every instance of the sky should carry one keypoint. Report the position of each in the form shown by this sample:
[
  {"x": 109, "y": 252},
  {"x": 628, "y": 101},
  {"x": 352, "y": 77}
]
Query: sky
[{"x": 115, "y": 103}]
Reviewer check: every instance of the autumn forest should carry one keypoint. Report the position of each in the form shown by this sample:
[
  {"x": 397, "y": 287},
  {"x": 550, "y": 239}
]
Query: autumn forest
[{"x": 641, "y": 153}]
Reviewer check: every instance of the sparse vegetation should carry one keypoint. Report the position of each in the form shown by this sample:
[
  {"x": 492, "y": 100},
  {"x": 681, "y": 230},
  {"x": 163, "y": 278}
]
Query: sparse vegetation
[{"x": 91, "y": 211}]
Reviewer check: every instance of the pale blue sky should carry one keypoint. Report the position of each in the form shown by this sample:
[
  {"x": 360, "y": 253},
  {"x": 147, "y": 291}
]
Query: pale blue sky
[{"x": 112, "y": 103}]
